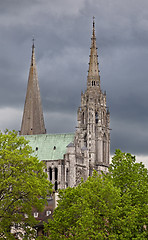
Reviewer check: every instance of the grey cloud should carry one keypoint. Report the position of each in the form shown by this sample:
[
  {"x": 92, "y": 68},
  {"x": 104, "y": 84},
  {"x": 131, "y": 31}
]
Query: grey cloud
[{"x": 62, "y": 32}]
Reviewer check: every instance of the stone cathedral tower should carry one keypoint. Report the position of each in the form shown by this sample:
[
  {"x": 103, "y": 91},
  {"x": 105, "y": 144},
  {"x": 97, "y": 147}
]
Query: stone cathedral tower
[
  {"x": 93, "y": 133},
  {"x": 33, "y": 121},
  {"x": 91, "y": 148}
]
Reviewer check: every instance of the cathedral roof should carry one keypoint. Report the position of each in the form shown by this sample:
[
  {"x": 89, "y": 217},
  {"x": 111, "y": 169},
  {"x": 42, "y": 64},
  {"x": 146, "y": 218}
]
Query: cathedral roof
[{"x": 50, "y": 146}]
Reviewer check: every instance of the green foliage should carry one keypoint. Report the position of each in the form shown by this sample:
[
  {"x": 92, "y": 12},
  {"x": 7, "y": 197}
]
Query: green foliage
[
  {"x": 22, "y": 182},
  {"x": 84, "y": 212},
  {"x": 132, "y": 179},
  {"x": 111, "y": 206}
]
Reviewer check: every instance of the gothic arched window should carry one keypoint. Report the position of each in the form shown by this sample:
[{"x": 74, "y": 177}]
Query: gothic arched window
[
  {"x": 56, "y": 174},
  {"x": 67, "y": 177},
  {"x": 56, "y": 186},
  {"x": 56, "y": 178},
  {"x": 85, "y": 140},
  {"x": 96, "y": 117},
  {"x": 50, "y": 174},
  {"x": 82, "y": 118},
  {"x": 104, "y": 148}
]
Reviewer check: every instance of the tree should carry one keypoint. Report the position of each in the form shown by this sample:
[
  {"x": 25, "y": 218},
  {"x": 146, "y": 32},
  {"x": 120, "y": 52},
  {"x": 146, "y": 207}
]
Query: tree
[
  {"x": 84, "y": 212},
  {"x": 111, "y": 206},
  {"x": 23, "y": 184},
  {"x": 132, "y": 179}
]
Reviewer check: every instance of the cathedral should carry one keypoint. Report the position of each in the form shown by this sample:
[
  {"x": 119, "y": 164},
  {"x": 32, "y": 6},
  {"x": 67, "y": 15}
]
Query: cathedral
[{"x": 70, "y": 156}]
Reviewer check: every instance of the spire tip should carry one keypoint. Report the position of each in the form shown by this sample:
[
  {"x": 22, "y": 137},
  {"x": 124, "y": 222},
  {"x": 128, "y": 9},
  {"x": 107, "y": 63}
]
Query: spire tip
[
  {"x": 33, "y": 40},
  {"x": 33, "y": 57},
  {"x": 93, "y": 21}
]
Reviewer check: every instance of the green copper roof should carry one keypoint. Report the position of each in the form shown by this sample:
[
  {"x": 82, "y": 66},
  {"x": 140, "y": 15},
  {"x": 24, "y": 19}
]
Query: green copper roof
[{"x": 50, "y": 146}]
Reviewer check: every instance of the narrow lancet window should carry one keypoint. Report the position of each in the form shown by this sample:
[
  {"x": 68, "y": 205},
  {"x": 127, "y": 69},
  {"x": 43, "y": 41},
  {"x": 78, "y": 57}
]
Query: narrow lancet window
[
  {"x": 56, "y": 174},
  {"x": 104, "y": 148},
  {"x": 67, "y": 177},
  {"x": 82, "y": 120},
  {"x": 85, "y": 140},
  {"x": 96, "y": 117},
  {"x": 50, "y": 174},
  {"x": 56, "y": 179},
  {"x": 56, "y": 186}
]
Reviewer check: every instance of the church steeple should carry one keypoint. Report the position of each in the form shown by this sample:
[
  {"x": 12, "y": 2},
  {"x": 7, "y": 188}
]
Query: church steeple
[
  {"x": 33, "y": 120},
  {"x": 93, "y": 79},
  {"x": 93, "y": 132}
]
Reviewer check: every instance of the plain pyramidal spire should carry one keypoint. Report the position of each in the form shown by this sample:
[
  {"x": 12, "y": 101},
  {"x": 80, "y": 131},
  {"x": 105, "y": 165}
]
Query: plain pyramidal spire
[
  {"x": 93, "y": 79},
  {"x": 33, "y": 120}
]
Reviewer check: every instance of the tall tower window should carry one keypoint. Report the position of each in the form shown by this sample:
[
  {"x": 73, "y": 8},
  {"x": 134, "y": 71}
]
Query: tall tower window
[
  {"x": 56, "y": 179},
  {"x": 96, "y": 117},
  {"x": 56, "y": 174},
  {"x": 50, "y": 174},
  {"x": 82, "y": 119},
  {"x": 103, "y": 117},
  {"x": 104, "y": 148},
  {"x": 67, "y": 177},
  {"x": 85, "y": 140},
  {"x": 56, "y": 186}
]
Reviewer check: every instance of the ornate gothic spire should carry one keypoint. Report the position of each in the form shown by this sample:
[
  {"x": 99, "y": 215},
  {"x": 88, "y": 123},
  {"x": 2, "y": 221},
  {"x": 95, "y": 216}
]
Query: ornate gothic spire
[
  {"x": 93, "y": 78},
  {"x": 33, "y": 120}
]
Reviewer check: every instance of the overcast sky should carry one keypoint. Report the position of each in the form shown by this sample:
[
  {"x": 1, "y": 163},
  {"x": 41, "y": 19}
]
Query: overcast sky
[{"x": 62, "y": 31}]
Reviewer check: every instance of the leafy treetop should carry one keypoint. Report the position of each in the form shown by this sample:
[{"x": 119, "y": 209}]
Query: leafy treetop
[
  {"x": 23, "y": 184},
  {"x": 111, "y": 206}
]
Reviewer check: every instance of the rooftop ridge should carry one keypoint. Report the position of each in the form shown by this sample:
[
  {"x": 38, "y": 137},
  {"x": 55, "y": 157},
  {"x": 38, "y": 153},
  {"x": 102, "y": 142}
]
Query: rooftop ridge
[{"x": 46, "y": 134}]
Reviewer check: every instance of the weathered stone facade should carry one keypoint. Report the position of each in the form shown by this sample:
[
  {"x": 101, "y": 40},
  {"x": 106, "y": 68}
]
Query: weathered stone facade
[{"x": 75, "y": 156}]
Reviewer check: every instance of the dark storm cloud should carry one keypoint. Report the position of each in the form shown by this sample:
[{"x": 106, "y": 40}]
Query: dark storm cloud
[{"x": 62, "y": 30}]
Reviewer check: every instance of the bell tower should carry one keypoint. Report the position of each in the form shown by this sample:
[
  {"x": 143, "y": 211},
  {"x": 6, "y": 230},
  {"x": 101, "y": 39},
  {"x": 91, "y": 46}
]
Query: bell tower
[
  {"x": 92, "y": 139},
  {"x": 33, "y": 120}
]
